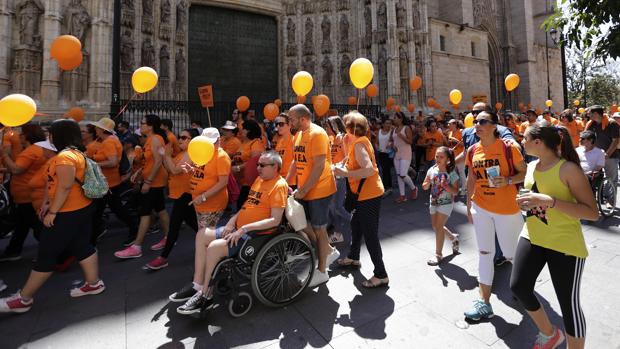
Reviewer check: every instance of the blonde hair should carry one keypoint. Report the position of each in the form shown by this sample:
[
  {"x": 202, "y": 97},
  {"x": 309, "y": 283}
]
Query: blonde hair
[{"x": 357, "y": 123}]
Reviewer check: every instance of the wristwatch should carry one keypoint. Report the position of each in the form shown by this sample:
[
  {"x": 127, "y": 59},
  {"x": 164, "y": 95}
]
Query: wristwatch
[
  {"x": 244, "y": 230},
  {"x": 509, "y": 180}
]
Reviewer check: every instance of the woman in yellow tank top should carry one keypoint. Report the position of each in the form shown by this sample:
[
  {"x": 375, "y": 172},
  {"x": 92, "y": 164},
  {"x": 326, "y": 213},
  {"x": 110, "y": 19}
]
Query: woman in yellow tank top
[{"x": 556, "y": 196}]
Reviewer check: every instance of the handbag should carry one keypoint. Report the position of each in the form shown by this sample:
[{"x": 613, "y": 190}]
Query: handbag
[
  {"x": 351, "y": 198},
  {"x": 295, "y": 214}
]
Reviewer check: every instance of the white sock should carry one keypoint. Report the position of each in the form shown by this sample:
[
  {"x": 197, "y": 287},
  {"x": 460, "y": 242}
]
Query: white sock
[
  {"x": 197, "y": 286},
  {"x": 139, "y": 247}
]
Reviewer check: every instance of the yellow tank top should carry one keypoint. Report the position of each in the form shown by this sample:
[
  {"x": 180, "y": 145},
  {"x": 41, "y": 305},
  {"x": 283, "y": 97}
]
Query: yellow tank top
[{"x": 551, "y": 228}]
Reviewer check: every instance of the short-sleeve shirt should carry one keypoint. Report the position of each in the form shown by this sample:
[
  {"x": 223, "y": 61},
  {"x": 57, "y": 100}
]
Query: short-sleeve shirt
[
  {"x": 440, "y": 181},
  {"x": 458, "y": 135},
  {"x": 92, "y": 148},
  {"x": 284, "y": 147},
  {"x": 160, "y": 178},
  {"x": 309, "y": 144},
  {"x": 178, "y": 184},
  {"x": 31, "y": 160},
  {"x": 495, "y": 200},
  {"x": 337, "y": 149},
  {"x": 590, "y": 159},
  {"x": 76, "y": 199},
  {"x": 174, "y": 142},
  {"x": 263, "y": 196},
  {"x": 245, "y": 153},
  {"x": 373, "y": 186},
  {"x": 205, "y": 177},
  {"x": 110, "y": 146},
  {"x": 231, "y": 145},
  {"x": 606, "y": 136}
]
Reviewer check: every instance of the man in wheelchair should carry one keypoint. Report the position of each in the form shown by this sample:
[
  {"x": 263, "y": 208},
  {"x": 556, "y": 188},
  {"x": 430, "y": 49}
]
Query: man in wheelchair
[
  {"x": 261, "y": 212},
  {"x": 592, "y": 159}
]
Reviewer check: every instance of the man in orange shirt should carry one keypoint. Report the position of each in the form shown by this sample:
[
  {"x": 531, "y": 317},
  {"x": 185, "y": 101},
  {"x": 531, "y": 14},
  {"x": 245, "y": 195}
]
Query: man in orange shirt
[
  {"x": 229, "y": 142},
  {"x": 261, "y": 212},
  {"x": 315, "y": 184},
  {"x": 547, "y": 116}
]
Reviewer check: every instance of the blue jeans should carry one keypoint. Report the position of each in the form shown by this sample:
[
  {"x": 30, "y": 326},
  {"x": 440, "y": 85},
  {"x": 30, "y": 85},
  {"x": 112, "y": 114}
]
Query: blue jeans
[{"x": 338, "y": 216}]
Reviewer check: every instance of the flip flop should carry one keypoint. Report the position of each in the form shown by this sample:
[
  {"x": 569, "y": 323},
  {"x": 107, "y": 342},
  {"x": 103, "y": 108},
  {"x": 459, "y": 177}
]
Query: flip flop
[
  {"x": 381, "y": 283},
  {"x": 455, "y": 246},
  {"x": 434, "y": 261},
  {"x": 346, "y": 262}
]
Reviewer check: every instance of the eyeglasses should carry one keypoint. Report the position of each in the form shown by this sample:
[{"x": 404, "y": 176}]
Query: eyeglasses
[
  {"x": 476, "y": 112},
  {"x": 483, "y": 122},
  {"x": 184, "y": 138},
  {"x": 262, "y": 165},
  {"x": 280, "y": 124}
]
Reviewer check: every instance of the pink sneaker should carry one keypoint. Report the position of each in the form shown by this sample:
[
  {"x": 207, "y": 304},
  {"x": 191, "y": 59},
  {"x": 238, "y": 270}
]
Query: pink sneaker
[
  {"x": 132, "y": 251},
  {"x": 88, "y": 289},
  {"x": 157, "y": 263},
  {"x": 544, "y": 342},
  {"x": 414, "y": 193},
  {"x": 160, "y": 245},
  {"x": 15, "y": 304}
]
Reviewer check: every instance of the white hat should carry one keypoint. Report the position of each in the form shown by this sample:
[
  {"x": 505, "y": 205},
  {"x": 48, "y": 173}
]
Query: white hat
[
  {"x": 211, "y": 133},
  {"x": 229, "y": 125},
  {"x": 616, "y": 115},
  {"x": 46, "y": 145},
  {"x": 105, "y": 124}
]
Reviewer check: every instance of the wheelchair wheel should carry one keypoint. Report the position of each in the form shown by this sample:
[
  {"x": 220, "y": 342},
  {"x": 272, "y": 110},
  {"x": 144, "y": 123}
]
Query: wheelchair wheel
[
  {"x": 282, "y": 270},
  {"x": 240, "y": 305},
  {"x": 606, "y": 198}
]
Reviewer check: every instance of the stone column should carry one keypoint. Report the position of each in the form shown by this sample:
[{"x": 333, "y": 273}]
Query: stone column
[
  {"x": 50, "y": 82},
  {"x": 100, "y": 79},
  {"x": 5, "y": 36},
  {"x": 392, "y": 49}
]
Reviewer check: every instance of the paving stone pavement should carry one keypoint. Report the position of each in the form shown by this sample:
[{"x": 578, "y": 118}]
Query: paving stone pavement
[{"x": 422, "y": 307}]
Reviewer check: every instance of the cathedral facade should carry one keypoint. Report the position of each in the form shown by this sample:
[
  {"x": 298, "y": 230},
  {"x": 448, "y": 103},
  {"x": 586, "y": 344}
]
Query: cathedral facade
[{"x": 253, "y": 47}]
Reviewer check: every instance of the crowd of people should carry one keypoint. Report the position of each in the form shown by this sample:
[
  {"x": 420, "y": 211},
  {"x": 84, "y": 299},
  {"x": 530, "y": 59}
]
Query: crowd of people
[{"x": 340, "y": 169}]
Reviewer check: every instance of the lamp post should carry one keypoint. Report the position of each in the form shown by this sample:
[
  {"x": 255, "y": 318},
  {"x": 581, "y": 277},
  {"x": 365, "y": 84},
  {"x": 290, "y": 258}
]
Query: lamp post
[
  {"x": 558, "y": 38},
  {"x": 547, "y": 54},
  {"x": 116, "y": 61}
]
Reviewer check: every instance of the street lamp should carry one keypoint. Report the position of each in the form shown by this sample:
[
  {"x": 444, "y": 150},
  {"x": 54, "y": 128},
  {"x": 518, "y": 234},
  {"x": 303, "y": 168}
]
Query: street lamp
[
  {"x": 547, "y": 54},
  {"x": 558, "y": 38}
]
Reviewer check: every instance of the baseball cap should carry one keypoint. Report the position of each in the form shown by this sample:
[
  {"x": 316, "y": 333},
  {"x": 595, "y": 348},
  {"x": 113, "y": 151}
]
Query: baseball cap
[{"x": 211, "y": 133}]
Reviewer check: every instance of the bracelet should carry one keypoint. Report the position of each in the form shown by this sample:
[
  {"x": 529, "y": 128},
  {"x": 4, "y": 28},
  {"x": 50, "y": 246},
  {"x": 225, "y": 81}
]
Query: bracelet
[{"x": 552, "y": 205}]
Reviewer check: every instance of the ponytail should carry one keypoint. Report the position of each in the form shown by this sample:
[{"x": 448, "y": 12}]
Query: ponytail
[
  {"x": 555, "y": 138},
  {"x": 567, "y": 149}
]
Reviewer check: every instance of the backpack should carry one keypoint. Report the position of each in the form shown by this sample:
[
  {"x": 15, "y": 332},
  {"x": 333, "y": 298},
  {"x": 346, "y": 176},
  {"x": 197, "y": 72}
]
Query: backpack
[
  {"x": 233, "y": 189},
  {"x": 507, "y": 145},
  {"x": 95, "y": 185}
]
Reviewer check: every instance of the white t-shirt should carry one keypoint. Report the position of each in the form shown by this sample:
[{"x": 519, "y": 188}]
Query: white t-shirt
[{"x": 592, "y": 159}]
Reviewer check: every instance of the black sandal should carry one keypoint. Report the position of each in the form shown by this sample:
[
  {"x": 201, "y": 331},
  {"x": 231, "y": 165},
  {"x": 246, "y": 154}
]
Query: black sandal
[
  {"x": 382, "y": 283},
  {"x": 348, "y": 263}
]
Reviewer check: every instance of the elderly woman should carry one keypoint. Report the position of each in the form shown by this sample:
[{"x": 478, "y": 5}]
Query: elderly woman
[
  {"x": 261, "y": 211},
  {"x": 363, "y": 179}
]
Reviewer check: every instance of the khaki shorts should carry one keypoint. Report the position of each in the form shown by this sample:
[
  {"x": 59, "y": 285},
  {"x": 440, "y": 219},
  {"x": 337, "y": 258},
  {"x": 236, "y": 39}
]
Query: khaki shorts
[{"x": 208, "y": 219}]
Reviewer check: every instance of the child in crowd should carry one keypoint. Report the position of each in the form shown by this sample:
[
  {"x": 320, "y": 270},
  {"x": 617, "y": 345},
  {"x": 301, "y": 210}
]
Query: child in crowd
[{"x": 442, "y": 180}]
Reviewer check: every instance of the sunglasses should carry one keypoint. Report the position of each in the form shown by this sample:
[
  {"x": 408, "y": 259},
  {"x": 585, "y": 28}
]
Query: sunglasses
[
  {"x": 280, "y": 124},
  {"x": 476, "y": 112},
  {"x": 184, "y": 138},
  {"x": 483, "y": 122},
  {"x": 262, "y": 165}
]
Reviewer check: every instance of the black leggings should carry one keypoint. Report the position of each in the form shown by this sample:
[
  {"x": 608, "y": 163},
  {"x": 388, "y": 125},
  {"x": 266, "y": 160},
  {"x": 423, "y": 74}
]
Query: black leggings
[
  {"x": 123, "y": 213},
  {"x": 365, "y": 222},
  {"x": 386, "y": 164},
  {"x": 565, "y": 273},
  {"x": 181, "y": 211},
  {"x": 26, "y": 218}
]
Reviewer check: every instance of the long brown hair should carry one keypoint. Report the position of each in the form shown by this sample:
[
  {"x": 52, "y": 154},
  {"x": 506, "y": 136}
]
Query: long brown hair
[{"x": 554, "y": 138}]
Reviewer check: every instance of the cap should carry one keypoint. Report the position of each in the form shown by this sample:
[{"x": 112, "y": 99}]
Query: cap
[
  {"x": 211, "y": 133},
  {"x": 46, "y": 145},
  {"x": 106, "y": 124},
  {"x": 533, "y": 111},
  {"x": 229, "y": 125}
]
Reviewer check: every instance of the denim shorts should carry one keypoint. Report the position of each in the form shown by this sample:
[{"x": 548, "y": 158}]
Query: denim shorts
[
  {"x": 443, "y": 209},
  {"x": 232, "y": 250},
  {"x": 317, "y": 211}
]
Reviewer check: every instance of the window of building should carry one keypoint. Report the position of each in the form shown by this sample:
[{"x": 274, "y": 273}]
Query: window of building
[
  {"x": 473, "y": 49},
  {"x": 442, "y": 43}
]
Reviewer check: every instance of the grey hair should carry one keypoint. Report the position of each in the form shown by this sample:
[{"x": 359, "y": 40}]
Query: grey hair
[
  {"x": 273, "y": 156},
  {"x": 301, "y": 110}
]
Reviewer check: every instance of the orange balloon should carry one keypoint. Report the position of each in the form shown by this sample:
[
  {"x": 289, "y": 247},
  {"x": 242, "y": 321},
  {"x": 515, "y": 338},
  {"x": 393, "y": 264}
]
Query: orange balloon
[
  {"x": 529, "y": 105},
  {"x": 397, "y": 108},
  {"x": 75, "y": 113},
  {"x": 411, "y": 107},
  {"x": 372, "y": 90},
  {"x": 538, "y": 111},
  {"x": 278, "y": 102},
  {"x": 320, "y": 104},
  {"x": 301, "y": 99},
  {"x": 390, "y": 101},
  {"x": 521, "y": 105},
  {"x": 270, "y": 111},
  {"x": 352, "y": 101},
  {"x": 312, "y": 99},
  {"x": 498, "y": 106},
  {"x": 613, "y": 108},
  {"x": 415, "y": 83},
  {"x": 430, "y": 101},
  {"x": 243, "y": 103},
  {"x": 65, "y": 47},
  {"x": 455, "y": 106},
  {"x": 70, "y": 63},
  {"x": 389, "y": 107}
]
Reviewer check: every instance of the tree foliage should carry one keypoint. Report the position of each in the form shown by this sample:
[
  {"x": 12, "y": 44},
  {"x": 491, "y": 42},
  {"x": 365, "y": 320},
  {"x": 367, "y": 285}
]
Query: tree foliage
[
  {"x": 584, "y": 24},
  {"x": 590, "y": 80}
]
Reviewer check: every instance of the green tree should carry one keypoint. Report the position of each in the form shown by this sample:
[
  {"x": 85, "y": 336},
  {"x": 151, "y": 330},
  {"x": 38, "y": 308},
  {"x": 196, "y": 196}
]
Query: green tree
[{"x": 603, "y": 89}]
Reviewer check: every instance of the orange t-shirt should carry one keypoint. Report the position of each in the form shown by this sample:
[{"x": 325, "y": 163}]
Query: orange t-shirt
[
  {"x": 495, "y": 200},
  {"x": 110, "y": 146},
  {"x": 553, "y": 121},
  {"x": 373, "y": 187},
  {"x": 178, "y": 184},
  {"x": 580, "y": 126},
  {"x": 263, "y": 196},
  {"x": 337, "y": 148},
  {"x": 572, "y": 131},
  {"x": 76, "y": 199},
  {"x": 149, "y": 161},
  {"x": 37, "y": 186},
  {"x": 31, "y": 159},
  {"x": 430, "y": 150},
  {"x": 138, "y": 158},
  {"x": 172, "y": 139},
  {"x": 284, "y": 147},
  {"x": 92, "y": 148},
  {"x": 244, "y": 154},
  {"x": 205, "y": 177},
  {"x": 231, "y": 145},
  {"x": 308, "y": 144},
  {"x": 274, "y": 140},
  {"x": 458, "y": 135},
  {"x": 524, "y": 125}
]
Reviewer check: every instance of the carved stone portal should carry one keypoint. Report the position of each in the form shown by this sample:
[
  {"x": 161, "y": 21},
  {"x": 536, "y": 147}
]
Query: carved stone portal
[
  {"x": 181, "y": 22},
  {"x": 328, "y": 71},
  {"x": 309, "y": 37},
  {"x": 326, "y": 26},
  {"x": 291, "y": 45},
  {"x": 367, "y": 27},
  {"x": 382, "y": 23},
  {"x": 27, "y": 65},
  {"x": 309, "y": 65},
  {"x": 28, "y": 13},
  {"x": 128, "y": 14},
  {"x": 344, "y": 33},
  {"x": 164, "y": 62},
  {"x": 148, "y": 54},
  {"x": 345, "y": 63},
  {"x": 147, "y": 16},
  {"x": 127, "y": 52},
  {"x": 76, "y": 21},
  {"x": 165, "y": 28}
]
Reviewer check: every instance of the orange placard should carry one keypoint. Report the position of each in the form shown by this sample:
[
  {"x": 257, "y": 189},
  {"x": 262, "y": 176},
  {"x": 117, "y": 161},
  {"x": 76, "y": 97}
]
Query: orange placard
[{"x": 206, "y": 96}]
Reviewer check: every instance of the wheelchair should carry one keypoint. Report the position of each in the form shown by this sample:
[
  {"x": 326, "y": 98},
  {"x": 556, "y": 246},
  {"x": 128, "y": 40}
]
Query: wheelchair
[
  {"x": 604, "y": 193},
  {"x": 276, "y": 266}
]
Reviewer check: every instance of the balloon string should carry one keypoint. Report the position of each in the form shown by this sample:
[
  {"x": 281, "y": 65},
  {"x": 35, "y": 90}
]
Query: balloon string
[
  {"x": 126, "y": 105},
  {"x": 357, "y": 107}
]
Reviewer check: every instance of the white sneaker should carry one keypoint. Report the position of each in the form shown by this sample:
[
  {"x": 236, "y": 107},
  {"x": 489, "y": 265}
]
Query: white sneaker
[
  {"x": 3, "y": 286},
  {"x": 331, "y": 258},
  {"x": 318, "y": 278}
]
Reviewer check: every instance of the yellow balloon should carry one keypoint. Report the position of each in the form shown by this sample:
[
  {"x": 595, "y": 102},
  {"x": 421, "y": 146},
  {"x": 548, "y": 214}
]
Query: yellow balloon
[
  {"x": 16, "y": 110},
  {"x": 200, "y": 150},
  {"x": 361, "y": 72},
  {"x": 469, "y": 120},
  {"x": 548, "y": 103},
  {"x": 581, "y": 110},
  {"x": 302, "y": 83},
  {"x": 144, "y": 79},
  {"x": 455, "y": 96},
  {"x": 577, "y": 102},
  {"x": 511, "y": 82}
]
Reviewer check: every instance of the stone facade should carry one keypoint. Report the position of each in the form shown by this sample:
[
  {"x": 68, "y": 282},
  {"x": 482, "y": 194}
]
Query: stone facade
[{"x": 484, "y": 40}]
